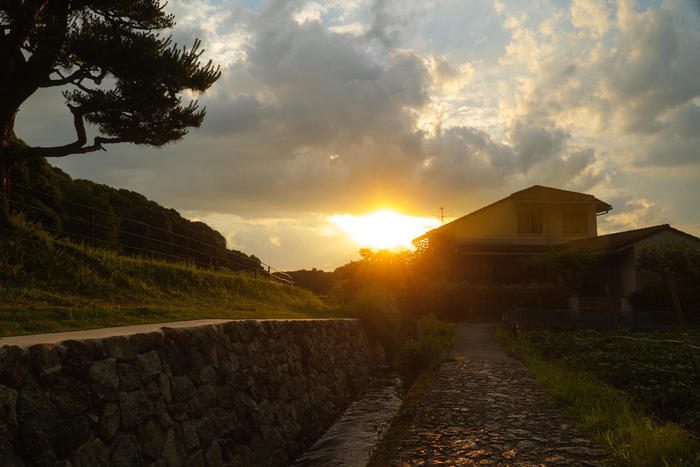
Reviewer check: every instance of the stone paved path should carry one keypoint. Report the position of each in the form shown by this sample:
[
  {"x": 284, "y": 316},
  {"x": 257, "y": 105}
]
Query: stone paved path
[{"x": 488, "y": 410}]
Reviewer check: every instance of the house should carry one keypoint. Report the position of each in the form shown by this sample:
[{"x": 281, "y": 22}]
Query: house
[
  {"x": 619, "y": 253},
  {"x": 528, "y": 220},
  {"x": 487, "y": 245},
  {"x": 489, "y": 240}
]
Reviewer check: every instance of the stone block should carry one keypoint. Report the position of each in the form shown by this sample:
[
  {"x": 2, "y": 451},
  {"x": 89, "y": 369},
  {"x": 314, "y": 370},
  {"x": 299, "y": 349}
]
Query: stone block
[
  {"x": 189, "y": 434},
  {"x": 44, "y": 361},
  {"x": 126, "y": 453},
  {"x": 147, "y": 341},
  {"x": 129, "y": 376},
  {"x": 195, "y": 460},
  {"x": 165, "y": 388},
  {"x": 91, "y": 453},
  {"x": 119, "y": 347},
  {"x": 149, "y": 365},
  {"x": 136, "y": 408},
  {"x": 105, "y": 378},
  {"x": 8, "y": 454},
  {"x": 70, "y": 396},
  {"x": 110, "y": 420},
  {"x": 13, "y": 366},
  {"x": 150, "y": 436},
  {"x": 213, "y": 455},
  {"x": 69, "y": 435},
  {"x": 173, "y": 447},
  {"x": 225, "y": 421},
  {"x": 183, "y": 389},
  {"x": 35, "y": 408},
  {"x": 8, "y": 405},
  {"x": 207, "y": 375},
  {"x": 36, "y": 445}
]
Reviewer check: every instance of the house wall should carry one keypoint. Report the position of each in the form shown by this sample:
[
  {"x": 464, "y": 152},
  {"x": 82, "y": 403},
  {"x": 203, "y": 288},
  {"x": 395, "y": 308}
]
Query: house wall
[
  {"x": 238, "y": 393},
  {"x": 499, "y": 223},
  {"x": 634, "y": 280}
]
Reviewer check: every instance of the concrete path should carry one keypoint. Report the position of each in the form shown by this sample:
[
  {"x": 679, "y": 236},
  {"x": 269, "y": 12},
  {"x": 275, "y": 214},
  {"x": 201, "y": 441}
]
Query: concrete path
[
  {"x": 56, "y": 337},
  {"x": 474, "y": 343},
  {"x": 101, "y": 333},
  {"x": 485, "y": 408}
]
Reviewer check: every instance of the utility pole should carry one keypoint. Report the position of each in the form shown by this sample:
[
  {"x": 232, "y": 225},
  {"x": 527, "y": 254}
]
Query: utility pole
[{"x": 442, "y": 215}]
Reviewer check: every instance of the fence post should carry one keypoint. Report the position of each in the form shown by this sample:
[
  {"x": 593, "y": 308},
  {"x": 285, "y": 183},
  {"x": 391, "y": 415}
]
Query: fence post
[
  {"x": 680, "y": 318},
  {"x": 92, "y": 230},
  {"x": 145, "y": 241}
]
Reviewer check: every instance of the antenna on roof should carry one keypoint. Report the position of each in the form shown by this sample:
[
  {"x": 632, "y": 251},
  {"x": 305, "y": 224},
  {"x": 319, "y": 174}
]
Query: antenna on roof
[{"x": 442, "y": 215}]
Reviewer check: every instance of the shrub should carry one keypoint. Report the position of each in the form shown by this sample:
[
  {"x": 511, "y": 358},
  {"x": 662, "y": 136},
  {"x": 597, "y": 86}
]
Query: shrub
[
  {"x": 453, "y": 301},
  {"x": 427, "y": 351},
  {"x": 380, "y": 317}
]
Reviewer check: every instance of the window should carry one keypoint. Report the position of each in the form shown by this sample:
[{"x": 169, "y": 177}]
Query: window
[
  {"x": 529, "y": 222},
  {"x": 574, "y": 223}
]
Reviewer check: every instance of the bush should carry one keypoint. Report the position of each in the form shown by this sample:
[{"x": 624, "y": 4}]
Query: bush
[
  {"x": 380, "y": 317},
  {"x": 427, "y": 351},
  {"x": 453, "y": 301}
]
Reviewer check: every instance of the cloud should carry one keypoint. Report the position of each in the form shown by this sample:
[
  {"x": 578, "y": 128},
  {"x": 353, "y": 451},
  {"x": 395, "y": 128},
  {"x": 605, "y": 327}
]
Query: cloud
[
  {"x": 592, "y": 15},
  {"x": 535, "y": 143},
  {"x": 678, "y": 143},
  {"x": 337, "y": 107},
  {"x": 323, "y": 244},
  {"x": 625, "y": 83},
  {"x": 631, "y": 213}
]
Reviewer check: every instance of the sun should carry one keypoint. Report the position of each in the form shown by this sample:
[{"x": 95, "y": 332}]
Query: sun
[{"x": 384, "y": 229}]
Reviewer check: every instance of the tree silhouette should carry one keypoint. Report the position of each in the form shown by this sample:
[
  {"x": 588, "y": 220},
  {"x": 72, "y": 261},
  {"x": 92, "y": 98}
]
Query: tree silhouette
[{"x": 118, "y": 72}]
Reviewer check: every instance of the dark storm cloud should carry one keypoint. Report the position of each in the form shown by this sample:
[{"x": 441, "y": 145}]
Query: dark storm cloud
[
  {"x": 535, "y": 143},
  {"x": 678, "y": 143}
]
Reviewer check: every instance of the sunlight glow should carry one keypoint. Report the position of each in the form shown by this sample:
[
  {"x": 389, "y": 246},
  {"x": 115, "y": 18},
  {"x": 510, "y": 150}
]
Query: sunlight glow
[{"x": 384, "y": 229}]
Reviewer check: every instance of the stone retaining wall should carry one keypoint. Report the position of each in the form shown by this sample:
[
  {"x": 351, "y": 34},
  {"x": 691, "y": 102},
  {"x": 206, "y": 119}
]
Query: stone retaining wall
[{"x": 237, "y": 393}]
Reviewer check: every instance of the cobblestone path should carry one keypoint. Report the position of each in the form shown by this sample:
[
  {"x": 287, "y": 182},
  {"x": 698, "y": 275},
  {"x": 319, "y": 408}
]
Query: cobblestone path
[{"x": 492, "y": 413}]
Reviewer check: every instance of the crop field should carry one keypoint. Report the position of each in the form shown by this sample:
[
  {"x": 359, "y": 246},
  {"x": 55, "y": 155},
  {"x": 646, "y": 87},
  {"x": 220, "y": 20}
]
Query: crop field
[{"x": 653, "y": 368}]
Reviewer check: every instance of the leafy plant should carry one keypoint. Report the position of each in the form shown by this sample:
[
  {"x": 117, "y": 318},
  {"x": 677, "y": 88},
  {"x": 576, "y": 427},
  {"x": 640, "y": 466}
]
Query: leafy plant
[{"x": 427, "y": 351}]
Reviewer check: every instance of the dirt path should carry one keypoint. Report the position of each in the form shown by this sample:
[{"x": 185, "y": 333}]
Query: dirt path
[{"x": 486, "y": 409}]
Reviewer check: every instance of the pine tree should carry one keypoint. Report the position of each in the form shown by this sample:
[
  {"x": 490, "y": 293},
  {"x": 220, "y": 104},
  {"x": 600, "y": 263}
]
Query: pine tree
[{"x": 116, "y": 67}]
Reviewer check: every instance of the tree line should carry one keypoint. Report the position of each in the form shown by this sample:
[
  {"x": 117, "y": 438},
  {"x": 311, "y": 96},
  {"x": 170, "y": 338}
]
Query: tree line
[{"x": 116, "y": 219}]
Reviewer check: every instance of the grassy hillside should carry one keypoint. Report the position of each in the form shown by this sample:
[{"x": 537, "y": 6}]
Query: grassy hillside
[
  {"x": 51, "y": 285},
  {"x": 120, "y": 220}
]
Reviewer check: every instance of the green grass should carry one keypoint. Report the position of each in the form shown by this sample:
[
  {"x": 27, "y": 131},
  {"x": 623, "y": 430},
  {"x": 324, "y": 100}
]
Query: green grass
[
  {"x": 401, "y": 422},
  {"x": 653, "y": 367},
  {"x": 607, "y": 413},
  {"x": 51, "y": 285}
]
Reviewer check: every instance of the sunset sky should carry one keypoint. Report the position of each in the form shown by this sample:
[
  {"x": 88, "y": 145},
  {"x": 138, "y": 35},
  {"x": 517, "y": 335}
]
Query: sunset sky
[{"x": 327, "y": 110}]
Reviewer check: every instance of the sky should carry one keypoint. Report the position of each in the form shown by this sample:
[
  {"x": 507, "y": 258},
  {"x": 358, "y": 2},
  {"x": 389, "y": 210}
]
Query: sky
[{"x": 339, "y": 108}]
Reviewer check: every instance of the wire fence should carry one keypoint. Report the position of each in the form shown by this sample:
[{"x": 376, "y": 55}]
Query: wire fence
[
  {"x": 96, "y": 227},
  {"x": 612, "y": 319}
]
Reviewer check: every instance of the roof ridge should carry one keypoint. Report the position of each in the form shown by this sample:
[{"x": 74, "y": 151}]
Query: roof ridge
[
  {"x": 552, "y": 188},
  {"x": 651, "y": 227}
]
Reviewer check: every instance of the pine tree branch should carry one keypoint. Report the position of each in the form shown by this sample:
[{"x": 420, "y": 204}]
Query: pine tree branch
[{"x": 76, "y": 147}]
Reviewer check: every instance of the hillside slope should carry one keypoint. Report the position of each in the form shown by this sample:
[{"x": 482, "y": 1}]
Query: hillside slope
[
  {"x": 49, "y": 284},
  {"x": 120, "y": 220}
]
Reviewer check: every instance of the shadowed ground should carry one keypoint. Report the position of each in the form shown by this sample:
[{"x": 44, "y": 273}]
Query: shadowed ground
[{"x": 485, "y": 408}]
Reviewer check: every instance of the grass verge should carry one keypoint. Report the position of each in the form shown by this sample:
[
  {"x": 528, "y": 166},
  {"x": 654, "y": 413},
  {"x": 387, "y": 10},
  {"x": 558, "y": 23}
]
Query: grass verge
[
  {"x": 401, "y": 422},
  {"x": 49, "y": 285},
  {"x": 606, "y": 413}
]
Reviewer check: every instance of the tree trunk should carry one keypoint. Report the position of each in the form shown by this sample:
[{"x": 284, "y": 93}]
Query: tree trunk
[
  {"x": 5, "y": 134},
  {"x": 5, "y": 195}
]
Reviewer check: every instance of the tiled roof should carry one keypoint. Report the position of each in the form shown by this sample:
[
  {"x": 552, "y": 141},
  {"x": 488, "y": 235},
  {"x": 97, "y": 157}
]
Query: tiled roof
[
  {"x": 619, "y": 240},
  {"x": 545, "y": 193}
]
